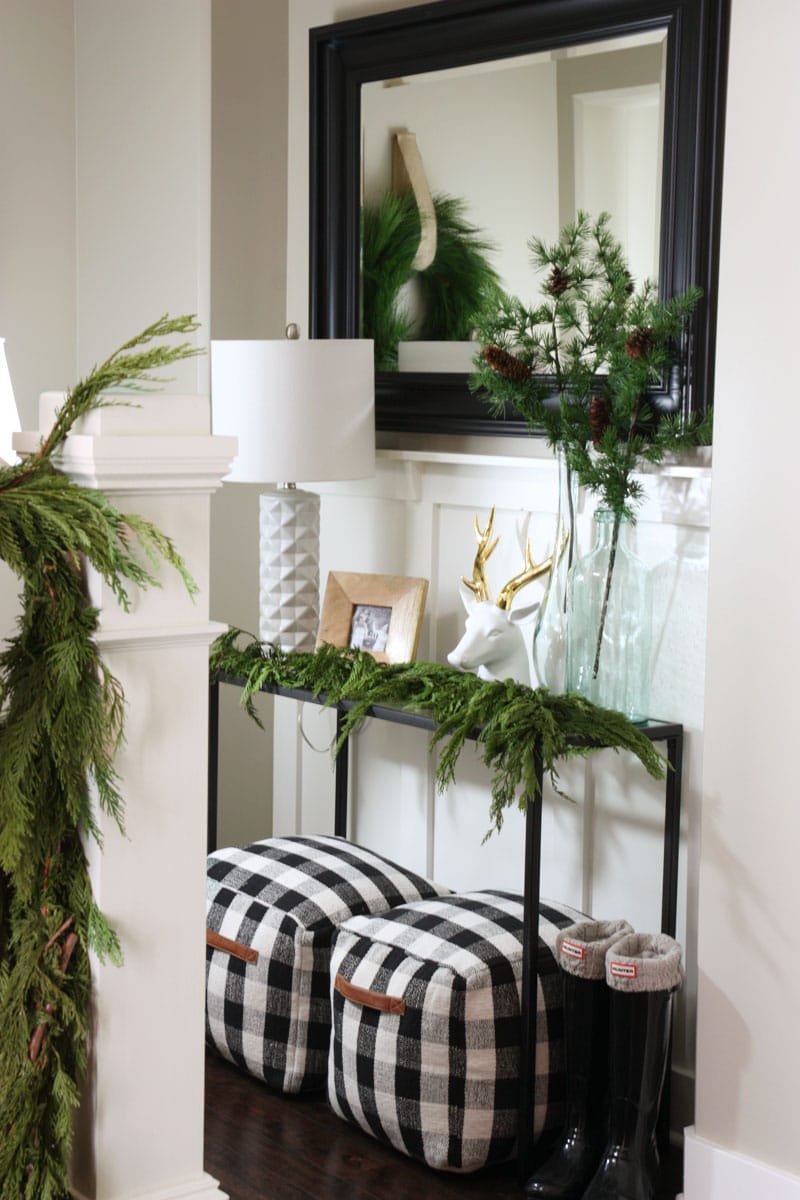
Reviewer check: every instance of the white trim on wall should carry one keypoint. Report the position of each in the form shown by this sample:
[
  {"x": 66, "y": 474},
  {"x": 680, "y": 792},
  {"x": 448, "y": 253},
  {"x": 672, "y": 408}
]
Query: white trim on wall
[
  {"x": 714, "y": 1173},
  {"x": 201, "y": 1188}
]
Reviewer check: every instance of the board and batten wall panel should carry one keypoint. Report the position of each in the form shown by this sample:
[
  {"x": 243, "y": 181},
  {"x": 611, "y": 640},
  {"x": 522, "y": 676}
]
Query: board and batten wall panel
[
  {"x": 603, "y": 841},
  {"x": 603, "y": 844}
]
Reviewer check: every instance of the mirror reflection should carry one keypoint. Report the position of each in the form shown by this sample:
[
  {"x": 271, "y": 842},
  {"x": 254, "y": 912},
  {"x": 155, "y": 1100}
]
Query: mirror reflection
[{"x": 516, "y": 147}]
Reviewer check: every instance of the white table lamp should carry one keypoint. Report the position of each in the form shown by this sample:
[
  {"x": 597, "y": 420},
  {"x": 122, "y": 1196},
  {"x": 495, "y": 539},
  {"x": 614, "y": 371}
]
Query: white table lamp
[
  {"x": 302, "y": 410},
  {"x": 9, "y": 417}
]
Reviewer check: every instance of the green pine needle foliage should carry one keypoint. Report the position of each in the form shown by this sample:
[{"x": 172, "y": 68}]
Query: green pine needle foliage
[
  {"x": 61, "y": 722},
  {"x": 510, "y": 722},
  {"x": 454, "y": 289},
  {"x": 460, "y": 282},
  {"x": 390, "y": 233},
  {"x": 593, "y": 339}
]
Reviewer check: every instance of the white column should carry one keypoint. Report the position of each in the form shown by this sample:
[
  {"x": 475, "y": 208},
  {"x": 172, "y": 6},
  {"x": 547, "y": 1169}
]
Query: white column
[{"x": 139, "y": 1132}]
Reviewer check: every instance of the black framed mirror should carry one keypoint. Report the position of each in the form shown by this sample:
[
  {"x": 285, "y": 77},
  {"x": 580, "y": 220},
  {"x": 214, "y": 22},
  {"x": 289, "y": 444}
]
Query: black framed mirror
[{"x": 451, "y": 34}]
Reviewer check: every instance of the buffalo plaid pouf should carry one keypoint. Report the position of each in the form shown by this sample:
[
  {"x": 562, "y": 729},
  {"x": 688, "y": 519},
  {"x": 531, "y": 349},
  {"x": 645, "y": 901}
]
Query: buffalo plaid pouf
[
  {"x": 426, "y": 1027},
  {"x": 272, "y": 908}
]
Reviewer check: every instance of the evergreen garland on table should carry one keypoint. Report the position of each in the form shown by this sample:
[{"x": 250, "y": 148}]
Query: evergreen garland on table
[
  {"x": 455, "y": 288},
  {"x": 61, "y": 722},
  {"x": 512, "y": 722}
]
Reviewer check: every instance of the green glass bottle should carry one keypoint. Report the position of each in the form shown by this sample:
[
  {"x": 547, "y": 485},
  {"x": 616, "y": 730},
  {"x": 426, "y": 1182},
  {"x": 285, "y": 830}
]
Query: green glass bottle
[
  {"x": 550, "y": 632},
  {"x": 609, "y": 622}
]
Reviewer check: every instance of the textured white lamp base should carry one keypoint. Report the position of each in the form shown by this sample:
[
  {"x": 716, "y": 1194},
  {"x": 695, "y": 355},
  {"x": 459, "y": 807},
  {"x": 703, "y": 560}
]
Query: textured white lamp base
[{"x": 289, "y": 568}]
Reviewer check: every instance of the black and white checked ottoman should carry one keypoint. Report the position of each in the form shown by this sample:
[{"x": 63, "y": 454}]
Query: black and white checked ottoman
[
  {"x": 272, "y": 908},
  {"x": 426, "y": 1027}
]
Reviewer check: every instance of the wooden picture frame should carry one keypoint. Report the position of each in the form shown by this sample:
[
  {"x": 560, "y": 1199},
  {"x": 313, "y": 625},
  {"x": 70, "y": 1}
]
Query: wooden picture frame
[{"x": 381, "y": 614}]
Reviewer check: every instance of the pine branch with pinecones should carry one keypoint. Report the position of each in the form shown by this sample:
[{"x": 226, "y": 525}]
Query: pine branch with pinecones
[{"x": 580, "y": 365}]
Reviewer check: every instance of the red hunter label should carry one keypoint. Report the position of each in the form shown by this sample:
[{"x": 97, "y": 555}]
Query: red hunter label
[
  {"x": 623, "y": 970},
  {"x": 573, "y": 949}
]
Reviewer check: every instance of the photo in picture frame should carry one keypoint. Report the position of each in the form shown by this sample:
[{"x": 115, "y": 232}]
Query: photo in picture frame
[{"x": 381, "y": 614}]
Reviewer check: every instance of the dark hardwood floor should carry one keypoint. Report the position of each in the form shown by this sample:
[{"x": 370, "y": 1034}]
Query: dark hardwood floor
[{"x": 264, "y": 1146}]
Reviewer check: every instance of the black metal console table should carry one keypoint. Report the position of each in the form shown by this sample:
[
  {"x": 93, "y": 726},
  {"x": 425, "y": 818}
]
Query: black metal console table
[{"x": 656, "y": 731}]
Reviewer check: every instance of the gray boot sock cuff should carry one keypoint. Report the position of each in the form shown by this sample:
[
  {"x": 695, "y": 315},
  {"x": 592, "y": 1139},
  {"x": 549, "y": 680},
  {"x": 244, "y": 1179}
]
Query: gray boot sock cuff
[
  {"x": 644, "y": 962},
  {"x": 581, "y": 948}
]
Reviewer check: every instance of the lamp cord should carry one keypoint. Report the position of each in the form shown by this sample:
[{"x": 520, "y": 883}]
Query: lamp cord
[{"x": 317, "y": 749}]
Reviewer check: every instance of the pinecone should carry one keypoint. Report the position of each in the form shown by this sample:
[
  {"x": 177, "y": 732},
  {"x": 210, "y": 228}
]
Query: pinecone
[
  {"x": 558, "y": 282},
  {"x": 505, "y": 364},
  {"x": 641, "y": 341},
  {"x": 599, "y": 418}
]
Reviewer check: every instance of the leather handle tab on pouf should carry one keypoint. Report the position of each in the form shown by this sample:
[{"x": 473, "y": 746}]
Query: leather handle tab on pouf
[
  {"x": 228, "y": 946},
  {"x": 367, "y": 999}
]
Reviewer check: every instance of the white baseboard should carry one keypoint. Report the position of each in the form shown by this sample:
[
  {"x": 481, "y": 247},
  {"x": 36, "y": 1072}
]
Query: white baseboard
[
  {"x": 203, "y": 1187},
  {"x": 713, "y": 1173}
]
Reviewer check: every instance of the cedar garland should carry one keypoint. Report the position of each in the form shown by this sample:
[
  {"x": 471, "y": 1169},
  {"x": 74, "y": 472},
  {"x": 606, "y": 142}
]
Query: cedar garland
[
  {"x": 511, "y": 721},
  {"x": 61, "y": 722}
]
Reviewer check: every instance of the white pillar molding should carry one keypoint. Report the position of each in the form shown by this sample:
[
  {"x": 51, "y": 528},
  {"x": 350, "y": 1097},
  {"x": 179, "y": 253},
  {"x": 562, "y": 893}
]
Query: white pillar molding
[{"x": 139, "y": 1130}]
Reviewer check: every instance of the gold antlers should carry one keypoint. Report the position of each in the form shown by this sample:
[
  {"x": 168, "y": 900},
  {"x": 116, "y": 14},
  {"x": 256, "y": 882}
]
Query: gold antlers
[
  {"x": 530, "y": 572},
  {"x": 479, "y": 584}
]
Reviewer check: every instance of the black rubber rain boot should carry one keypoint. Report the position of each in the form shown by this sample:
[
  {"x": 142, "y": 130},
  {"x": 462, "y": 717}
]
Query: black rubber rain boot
[
  {"x": 642, "y": 971},
  {"x": 581, "y": 953}
]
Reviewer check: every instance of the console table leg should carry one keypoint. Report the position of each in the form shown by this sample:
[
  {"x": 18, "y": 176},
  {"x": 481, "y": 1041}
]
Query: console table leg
[
  {"x": 669, "y": 902},
  {"x": 341, "y": 782},
  {"x": 672, "y": 834},
  {"x": 530, "y": 954},
  {"x": 213, "y": 764}
]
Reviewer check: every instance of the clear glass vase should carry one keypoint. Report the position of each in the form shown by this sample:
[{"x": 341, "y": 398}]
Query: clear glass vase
[
  {"x": 609, "y": 622},
  {"x": 550, "y": 631}
]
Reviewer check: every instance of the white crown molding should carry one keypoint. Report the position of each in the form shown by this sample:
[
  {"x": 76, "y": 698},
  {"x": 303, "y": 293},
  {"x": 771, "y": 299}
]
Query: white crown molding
[
  {"x": 536, "y": 454},
  {"x": 171, "y": 463},
  {"x": 202, "y": 634}
]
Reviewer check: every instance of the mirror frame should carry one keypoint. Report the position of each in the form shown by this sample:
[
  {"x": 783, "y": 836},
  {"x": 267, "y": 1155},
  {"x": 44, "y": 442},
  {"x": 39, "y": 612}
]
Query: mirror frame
[{"x": 453, "y": 33}]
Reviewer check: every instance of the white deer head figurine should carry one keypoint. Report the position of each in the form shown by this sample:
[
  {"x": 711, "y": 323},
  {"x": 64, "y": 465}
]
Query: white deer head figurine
[{"x": 492, "y": 645}]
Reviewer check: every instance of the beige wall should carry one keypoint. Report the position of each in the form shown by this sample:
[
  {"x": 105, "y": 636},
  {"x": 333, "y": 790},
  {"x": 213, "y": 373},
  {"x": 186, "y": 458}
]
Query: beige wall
[
  {"x": 748, "y": 1044},
  {"x": 248, "y": 300},
  {"x": 37, "y": 197},
  {"x": 250, "y": 78},
  {"x": 143, "y": 161},
  {"x": 37, "y": 212},
  {"x": 305, "y": 15}
]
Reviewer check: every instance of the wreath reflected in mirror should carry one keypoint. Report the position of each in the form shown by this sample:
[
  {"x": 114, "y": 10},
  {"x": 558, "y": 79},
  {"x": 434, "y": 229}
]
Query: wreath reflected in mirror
[{"x": 449, "y": 294}]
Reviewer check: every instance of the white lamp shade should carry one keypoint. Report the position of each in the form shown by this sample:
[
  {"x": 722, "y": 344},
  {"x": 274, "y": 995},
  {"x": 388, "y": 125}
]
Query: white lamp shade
[
  {"x": 302, "y": 410},
  {"x": 9, "y": 417}
]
